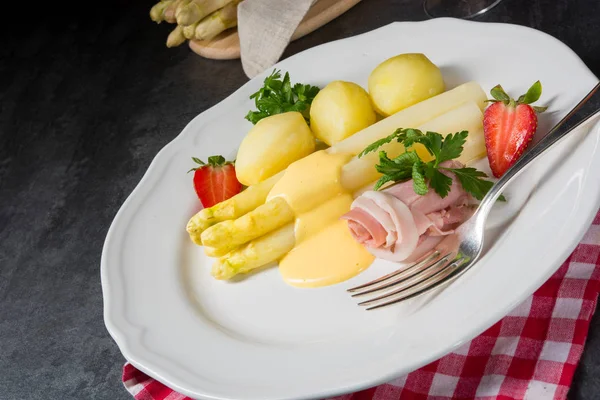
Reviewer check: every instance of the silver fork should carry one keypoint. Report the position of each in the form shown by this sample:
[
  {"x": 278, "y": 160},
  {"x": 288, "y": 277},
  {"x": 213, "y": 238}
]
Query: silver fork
[{"x": 443, "y": 264}]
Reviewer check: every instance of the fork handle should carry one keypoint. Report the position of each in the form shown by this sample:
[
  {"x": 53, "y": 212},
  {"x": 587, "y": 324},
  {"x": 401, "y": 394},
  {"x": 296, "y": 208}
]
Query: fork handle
[{"x": 577, "y": 116}]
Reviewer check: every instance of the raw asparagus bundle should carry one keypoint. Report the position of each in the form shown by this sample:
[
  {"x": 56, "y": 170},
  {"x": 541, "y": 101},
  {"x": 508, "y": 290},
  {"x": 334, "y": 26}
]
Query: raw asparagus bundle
[
  {"x": 217, "y": 22},
  {"x": 196, "y": 10},
  {"x": 195, "y": 19},
  {"x": 252, "y": 233}
]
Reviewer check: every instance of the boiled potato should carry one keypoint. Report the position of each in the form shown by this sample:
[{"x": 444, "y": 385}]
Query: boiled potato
[
  {"x": 340, "y": 110},
  {"x": 402, "y": 81},
  {"x": 271, "y": 145}
]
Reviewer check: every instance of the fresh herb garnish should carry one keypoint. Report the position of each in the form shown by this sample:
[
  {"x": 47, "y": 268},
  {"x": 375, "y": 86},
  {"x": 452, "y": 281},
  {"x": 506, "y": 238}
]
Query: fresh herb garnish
[
  {"x": 278, "y": 96},
  {"x": 427, "y": 175}
]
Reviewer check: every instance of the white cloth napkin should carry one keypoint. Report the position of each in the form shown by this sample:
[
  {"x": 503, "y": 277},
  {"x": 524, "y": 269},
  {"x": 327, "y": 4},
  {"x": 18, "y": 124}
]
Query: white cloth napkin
[{"x": 265, "y": 28}]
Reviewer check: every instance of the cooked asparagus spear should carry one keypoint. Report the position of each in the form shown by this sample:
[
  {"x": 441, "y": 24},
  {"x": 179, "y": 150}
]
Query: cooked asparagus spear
[
  {"x": 175, "y": 37},
  {"x": 231, "y": 233},
  {"x": 232, "y": 208},
  {"x": 217, "y": 252},
  {"x": 195, "y": 10},
  {"x": 255, "y": 254},
  {"x": 217, "y": 22}
]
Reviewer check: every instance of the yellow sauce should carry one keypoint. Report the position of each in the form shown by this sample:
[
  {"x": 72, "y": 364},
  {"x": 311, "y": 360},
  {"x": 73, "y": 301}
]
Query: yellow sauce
[
  {"x": 310, "y": 181},
  {"x": 325, "y": 251},
  {"x": 328, "y": 257},
  {"x": 313, "y": 221}
]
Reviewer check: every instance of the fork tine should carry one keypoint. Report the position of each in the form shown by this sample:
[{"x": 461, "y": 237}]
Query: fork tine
[
  {"x": 451, "y": 271},
  {"x": 404, "y": 275},
  {"x": 413, "y": 281},
  {"x": 423, "y": 260}
]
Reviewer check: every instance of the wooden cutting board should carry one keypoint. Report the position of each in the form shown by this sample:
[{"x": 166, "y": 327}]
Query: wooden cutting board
[{"x": 226, "y": 46}]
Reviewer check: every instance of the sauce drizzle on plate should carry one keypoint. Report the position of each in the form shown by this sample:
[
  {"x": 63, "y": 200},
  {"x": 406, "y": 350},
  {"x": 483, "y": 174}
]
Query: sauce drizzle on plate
[{"x": 325, "y": 252}]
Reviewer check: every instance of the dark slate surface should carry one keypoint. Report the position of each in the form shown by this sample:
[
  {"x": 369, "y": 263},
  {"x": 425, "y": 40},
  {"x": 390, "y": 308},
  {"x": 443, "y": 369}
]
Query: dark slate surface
[{"x": 88, "y": 95}]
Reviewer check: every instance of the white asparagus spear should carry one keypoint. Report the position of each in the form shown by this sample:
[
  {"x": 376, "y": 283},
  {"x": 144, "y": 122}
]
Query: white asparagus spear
[
  {"x": 468, "y": 117},
  {"x": 196, "y": 10},
  {"x": 176, "y": 37}
]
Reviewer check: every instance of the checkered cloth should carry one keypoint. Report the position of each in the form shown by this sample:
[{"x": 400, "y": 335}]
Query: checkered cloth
[{"x": 530, "y": 354}]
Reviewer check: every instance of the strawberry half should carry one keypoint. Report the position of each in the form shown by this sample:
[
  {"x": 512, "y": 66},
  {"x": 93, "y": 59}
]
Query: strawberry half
[
  {"x": 509, "y": 126},
  {"x": 215, "y": 181}
]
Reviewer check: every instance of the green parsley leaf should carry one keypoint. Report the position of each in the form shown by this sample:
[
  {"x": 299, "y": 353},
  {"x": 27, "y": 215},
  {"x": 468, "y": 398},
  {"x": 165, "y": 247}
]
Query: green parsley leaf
[
  {"x": 272, "y": 81},
  {"x": 400, "y": 167},
  {"x": 439, "y": 182},
  {"x": 279, "y": 95},
  {"x": 470, "y": 180},
  {"x": 255, "y": 116},
  {"x": 433, "y": 143},
  {"x": 286, "y": 89},
  {"x": 269, "y": 105},
  {"x": 427, "y": 175},
  {"x": 382, "y": 181},
  {"x": 299, "y": 106},
  {"x": 386, "y": 166},
  {"x": 305, "y": 92},
  {"x": 377, "y": 144},
  {"x": 418, "y": 176},
  {"x": 410, "y": 136},
  {"x": 452, "y": 147}
]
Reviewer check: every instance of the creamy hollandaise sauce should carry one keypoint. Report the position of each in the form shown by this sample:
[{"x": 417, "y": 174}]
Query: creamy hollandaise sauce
[{"x": 325, "y": 252}]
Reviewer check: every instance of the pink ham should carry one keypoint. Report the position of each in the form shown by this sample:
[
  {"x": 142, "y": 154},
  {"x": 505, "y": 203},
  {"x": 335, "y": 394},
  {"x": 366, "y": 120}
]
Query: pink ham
[
  {"x": 432, "y": 201},
  {"x": 365, "y": 228},
  {"x": 397, "y": 224}
]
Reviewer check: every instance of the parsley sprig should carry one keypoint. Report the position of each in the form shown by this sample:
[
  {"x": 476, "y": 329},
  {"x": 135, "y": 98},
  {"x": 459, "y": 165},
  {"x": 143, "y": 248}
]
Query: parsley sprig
[
  {"x": 278, "y": 96},
  {"x": 426, "y": 175}
]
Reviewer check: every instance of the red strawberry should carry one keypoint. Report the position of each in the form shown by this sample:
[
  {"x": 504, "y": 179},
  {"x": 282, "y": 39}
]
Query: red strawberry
[
  {"x": 509, "y": 126},
  {"x": 215, "y": 181}
]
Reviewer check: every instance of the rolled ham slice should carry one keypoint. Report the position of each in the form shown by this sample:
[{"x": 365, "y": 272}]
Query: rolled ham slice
[
  {"x": 397, "y": 224},
  {"x": 432, "y": 201}
]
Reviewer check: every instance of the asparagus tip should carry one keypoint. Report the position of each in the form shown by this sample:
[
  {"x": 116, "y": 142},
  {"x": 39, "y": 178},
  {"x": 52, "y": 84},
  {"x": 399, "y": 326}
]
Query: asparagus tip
[
  {"x": 156, "y": 12},
  {"x": 175, "y": 37}
]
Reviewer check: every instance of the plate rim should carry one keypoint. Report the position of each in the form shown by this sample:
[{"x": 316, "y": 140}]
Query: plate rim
[{"x": 110, "y": 312}]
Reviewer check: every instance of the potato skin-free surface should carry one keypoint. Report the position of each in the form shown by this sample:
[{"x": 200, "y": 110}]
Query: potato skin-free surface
[
  {"x": 402, "y": 81},
  {"x": 271, "y": 145},
  {"x": 340, "y": 110}
]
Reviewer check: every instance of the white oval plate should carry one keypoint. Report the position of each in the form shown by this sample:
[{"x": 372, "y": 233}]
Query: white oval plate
[{"x": 259, "y": 339}]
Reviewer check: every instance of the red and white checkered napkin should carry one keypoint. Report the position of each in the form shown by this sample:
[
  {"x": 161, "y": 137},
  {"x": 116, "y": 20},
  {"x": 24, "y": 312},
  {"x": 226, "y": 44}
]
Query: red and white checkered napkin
[{"x": 530, "y": 354}]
